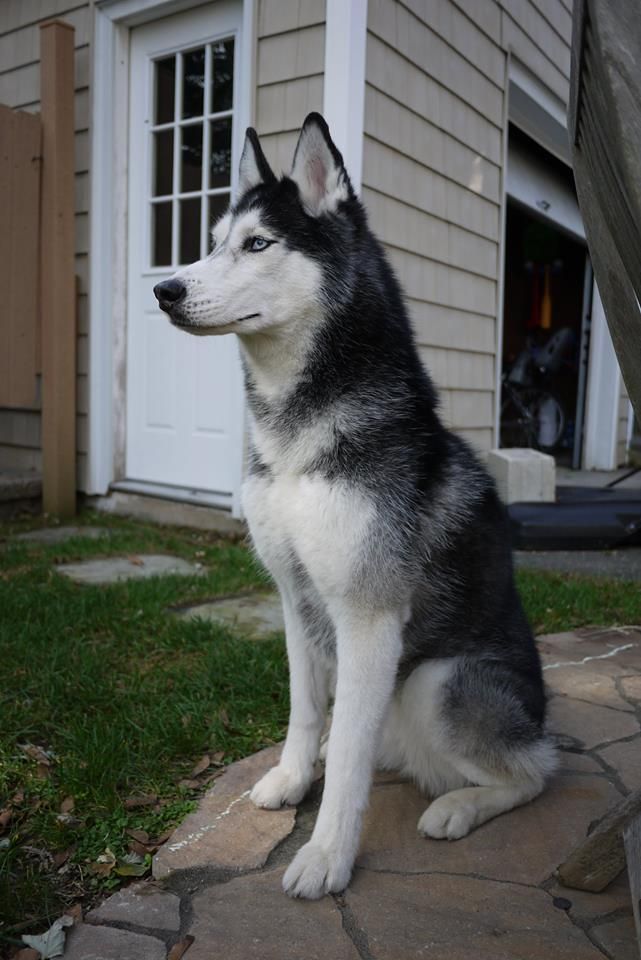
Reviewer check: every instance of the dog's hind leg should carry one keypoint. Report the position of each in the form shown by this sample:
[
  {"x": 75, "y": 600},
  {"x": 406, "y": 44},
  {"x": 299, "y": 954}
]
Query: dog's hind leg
[
  {"x": 290, "y": 780},
  {"x": 486, "y": 750}
]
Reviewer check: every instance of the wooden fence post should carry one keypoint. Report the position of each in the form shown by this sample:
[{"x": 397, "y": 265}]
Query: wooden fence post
[{"x": 57, "y": 277}]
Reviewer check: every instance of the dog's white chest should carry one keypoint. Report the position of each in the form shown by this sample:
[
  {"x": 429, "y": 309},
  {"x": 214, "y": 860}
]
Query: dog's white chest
[{"x": 307, "y": 519}]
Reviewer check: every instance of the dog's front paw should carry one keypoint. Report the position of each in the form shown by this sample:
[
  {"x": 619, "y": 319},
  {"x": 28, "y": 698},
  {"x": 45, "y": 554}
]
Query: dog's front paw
[
  {"x": 277, "y": 787},
  {"x": 315, "y": 871},
  {"x": 449, "y": 817}
]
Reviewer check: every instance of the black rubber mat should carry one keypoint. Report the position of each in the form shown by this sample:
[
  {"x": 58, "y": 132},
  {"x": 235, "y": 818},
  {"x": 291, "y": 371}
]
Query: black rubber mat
[{"x": 583, "y": 518}]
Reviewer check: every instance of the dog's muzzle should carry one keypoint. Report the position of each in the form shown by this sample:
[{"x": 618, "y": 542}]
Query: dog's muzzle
[{"x": 169, "y": 294}]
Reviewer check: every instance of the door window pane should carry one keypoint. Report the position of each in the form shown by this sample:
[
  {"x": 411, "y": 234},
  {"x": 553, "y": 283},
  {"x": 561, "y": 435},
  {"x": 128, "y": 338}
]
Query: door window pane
[
  {"x": 191, "y": 158},
  {"x": 161, "y": 234},
  {"x": 193, "y": 83},
  {"x": 165, "y": 90},
  {"x": 190, "y": 230},
  {"x": 217, "y": 207},
  {"x": 220, "y": 156},
  {"x": 163, "y": 162},
  {"x": 222, "y": 86}
]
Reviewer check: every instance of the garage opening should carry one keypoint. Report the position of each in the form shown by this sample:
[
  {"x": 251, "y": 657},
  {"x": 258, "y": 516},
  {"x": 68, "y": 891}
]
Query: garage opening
[{"x": 545, "y": 316}]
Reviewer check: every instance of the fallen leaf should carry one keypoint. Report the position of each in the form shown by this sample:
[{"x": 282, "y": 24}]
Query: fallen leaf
[
  {"x": 141, "y": 835},
  {"x": 137, "y": 562},
  {"x": 132, "y": 865},
  {"x": 75, "y": 912},
  {"x": 17, "y": 798},
  {"x": 52, "y": 942},
  {"x": 107, "y": 857},
  {"x": 5, "y": 818},
  {"x": 104, "y": 864},
  {"x": 144, "y": 800},
  {"x": 218, "y": 756},
  {"x": 67, "y": 820},
  {"x": 188, "y": 784},
  {"x": 67, "y": 805},
  {"x": 224, "y": 717},
  {"x": 164, "y": 837},
  {"x": 201, "y": 766},
  {"x": 141, "y": 844},
  {"x": 180, "y": 949},
  {"x": 213, "y": 776},
  {"x": 61, "y": 857},
  {"x": 36, "y": 753},
  {"x": 132, "y": 869},
  {"x": 142, "y": 849},
  {"x": 43, "y": 771}
]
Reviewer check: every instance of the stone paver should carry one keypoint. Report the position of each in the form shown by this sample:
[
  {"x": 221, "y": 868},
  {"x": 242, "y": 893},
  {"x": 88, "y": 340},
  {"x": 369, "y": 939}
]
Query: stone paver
[
  {"x": 607, "y": 648},
  {"x": 141, "y": 904},
  {"x": 618, "y": 938},
  {"x": 227, "y": 832},
  {"x": 490, "y": 896},
  {"x": 626, "y": 759},
  {"x": 522, "y": 846},
  {"x": 88, "y": 942},
  {"x": 115, "y": 569},
  {"x": 570, "y": 762},
  {"x": 588, "y": 723},
  {"x": 590, "y": 683},
  {"x": 631, "y": 687},
  {"x": 255, "y": 615},
  {"x": 251, "y": 919},
  {"x": 52, "y": 535},
  {"x": 584, "y": 904},
  {"x": 459, "y": 918}
]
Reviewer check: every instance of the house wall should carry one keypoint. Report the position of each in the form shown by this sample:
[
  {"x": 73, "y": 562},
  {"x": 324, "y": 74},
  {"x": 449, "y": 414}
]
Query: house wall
[
  {"x": 289, "y": 73},
  {"x": 432, "y": 165},
  {"x": 20, "y": 89},
  {"x": 433, "y": 170}
]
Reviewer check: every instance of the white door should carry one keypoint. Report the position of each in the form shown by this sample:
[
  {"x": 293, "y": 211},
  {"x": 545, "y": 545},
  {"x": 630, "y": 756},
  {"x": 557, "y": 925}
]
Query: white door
[{"x": 184, "y": 393}]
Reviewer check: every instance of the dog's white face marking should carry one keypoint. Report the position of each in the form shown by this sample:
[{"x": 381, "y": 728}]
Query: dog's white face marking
[{"x": 251, "y": 282}]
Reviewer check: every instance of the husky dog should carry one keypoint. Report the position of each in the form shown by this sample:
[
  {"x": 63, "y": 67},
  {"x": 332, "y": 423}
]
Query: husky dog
[{"x": 383, "y": 532}]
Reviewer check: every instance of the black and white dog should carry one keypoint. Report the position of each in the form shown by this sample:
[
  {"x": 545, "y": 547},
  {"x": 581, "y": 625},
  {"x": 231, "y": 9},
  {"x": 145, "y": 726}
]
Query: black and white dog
[{"x": 382, "y": 530}]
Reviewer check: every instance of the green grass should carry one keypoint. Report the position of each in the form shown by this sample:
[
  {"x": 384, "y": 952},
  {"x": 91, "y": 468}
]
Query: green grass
[
  {"x": 126, "y": 697},
  {"x": 556, "y": 602}
]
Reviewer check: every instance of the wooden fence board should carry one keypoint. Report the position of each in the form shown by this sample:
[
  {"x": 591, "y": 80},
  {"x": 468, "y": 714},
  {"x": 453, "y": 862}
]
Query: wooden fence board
[
  {"x": 20, "y": 142},
  {"x": 58, "y": 276}
]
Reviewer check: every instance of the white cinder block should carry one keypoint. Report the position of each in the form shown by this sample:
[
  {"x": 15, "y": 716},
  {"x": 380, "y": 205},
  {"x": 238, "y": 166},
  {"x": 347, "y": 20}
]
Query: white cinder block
[{"x": 522, "y": 475}]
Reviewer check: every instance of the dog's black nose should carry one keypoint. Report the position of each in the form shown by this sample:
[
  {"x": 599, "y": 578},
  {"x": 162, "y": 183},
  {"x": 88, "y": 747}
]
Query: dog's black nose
[{"x": 169, "y": 293}]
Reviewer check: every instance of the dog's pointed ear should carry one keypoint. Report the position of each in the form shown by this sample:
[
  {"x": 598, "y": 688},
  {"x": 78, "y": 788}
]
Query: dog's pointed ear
[
  {"x": 254, "y": 168},
  {"x": 318, "y": 168}
]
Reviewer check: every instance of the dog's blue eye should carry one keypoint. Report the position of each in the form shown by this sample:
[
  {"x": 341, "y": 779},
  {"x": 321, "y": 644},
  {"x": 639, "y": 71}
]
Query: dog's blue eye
[{"x": 256, "y": 244}]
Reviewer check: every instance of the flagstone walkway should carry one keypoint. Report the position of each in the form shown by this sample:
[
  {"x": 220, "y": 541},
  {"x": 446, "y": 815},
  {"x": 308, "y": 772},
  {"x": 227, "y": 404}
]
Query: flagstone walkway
[{"x": 216, "y": 890}]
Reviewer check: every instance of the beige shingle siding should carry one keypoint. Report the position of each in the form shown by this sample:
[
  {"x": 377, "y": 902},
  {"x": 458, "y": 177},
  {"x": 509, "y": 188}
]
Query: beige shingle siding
[
  {"x": 432, "y": 170},
  {"x": 432, "y": 185},
  {"x": 289, "y": 72},
  {"x": 20, "y": 89}
]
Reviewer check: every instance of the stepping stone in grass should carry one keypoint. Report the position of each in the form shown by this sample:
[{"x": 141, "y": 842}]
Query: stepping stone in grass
[
  {"x": 61, "y": 534},
  {"x": 116, "y": 569},
  {"x": 256, "y": 615}
]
